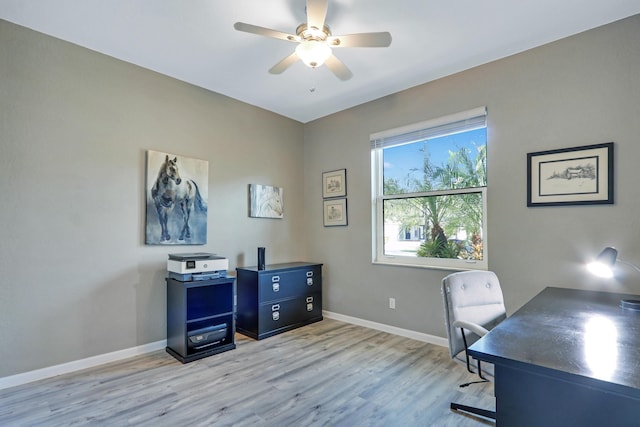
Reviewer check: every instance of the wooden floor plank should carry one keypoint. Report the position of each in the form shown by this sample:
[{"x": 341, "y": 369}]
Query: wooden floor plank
[{"x": 329, "y": 373}]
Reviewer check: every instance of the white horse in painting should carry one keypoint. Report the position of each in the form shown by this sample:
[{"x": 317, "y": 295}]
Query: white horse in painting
[
  {"x": 170, "y": 190},
  {"x": 269, "y": 203}
]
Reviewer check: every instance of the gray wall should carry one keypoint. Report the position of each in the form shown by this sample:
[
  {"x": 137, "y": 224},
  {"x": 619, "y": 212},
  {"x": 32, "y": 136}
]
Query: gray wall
[
  {"x": 578, "y": 91},
  {"x": 78, "y": 281},
  {"x": 76, "y": 277}
]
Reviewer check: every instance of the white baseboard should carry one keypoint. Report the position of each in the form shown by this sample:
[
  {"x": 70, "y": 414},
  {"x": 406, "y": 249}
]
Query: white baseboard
[
  {"x": 76, "y": 365},
  {"x": 418, "y": 336}
]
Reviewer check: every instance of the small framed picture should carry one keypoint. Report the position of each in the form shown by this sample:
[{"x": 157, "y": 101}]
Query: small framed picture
[
  {"x": 334, "y": 183},
  {"x": 571, "y": 176},
  {"x": 266, "y": 201},
  {"x": 335, "y": 212}
]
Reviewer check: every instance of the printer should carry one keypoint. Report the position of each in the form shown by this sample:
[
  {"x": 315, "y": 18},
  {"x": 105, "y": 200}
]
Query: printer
[{"x": 196, "y": 266}]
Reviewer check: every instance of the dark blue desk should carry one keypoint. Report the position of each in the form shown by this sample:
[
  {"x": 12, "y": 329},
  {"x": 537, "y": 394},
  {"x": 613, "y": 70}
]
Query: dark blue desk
[{"x": 566, "y": 358}]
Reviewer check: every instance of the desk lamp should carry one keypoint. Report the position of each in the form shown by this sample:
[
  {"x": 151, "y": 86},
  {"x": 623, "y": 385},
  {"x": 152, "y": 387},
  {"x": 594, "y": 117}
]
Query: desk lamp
[{"x": 602, "y": 266}]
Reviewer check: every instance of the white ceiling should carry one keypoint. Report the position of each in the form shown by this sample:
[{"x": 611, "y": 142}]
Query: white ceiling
[{"x": 194, "y": 41}]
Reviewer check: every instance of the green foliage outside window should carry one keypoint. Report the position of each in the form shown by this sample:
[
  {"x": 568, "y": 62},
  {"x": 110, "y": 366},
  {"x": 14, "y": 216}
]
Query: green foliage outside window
[{"x": 453, "y": 208}]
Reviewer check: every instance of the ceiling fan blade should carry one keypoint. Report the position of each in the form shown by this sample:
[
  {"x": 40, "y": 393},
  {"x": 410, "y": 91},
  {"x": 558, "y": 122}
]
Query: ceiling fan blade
[
  {"x": 338, "y": 68},
  {"x": 316, "y": 13},
  {"x": 284, "y": 64},
  {"x": 360, "y": 40},
  {"x": 267, "y": 32}
]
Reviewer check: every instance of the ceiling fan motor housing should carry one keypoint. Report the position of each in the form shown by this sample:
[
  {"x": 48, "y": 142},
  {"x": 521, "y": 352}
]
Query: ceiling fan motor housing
[{"x": 312, "y": 33}]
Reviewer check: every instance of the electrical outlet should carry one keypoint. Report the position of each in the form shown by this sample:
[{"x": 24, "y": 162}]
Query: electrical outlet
[{"x": 392, "y": 303}]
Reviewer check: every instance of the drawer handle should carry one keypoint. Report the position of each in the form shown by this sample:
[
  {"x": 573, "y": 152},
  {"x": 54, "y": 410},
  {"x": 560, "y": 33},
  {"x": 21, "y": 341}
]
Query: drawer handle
[
  {"x": 275, "y": 307},
  {"x": 276, "y": 287},
  {"x": 275, "y": 315},
  {"x": 310, "y": 306},
  {"x": 309, "y": 273},
  {"x": 309, "y": 281},
  {"x": 309, "y": 299},
  {"x": 275, "y": 278}
]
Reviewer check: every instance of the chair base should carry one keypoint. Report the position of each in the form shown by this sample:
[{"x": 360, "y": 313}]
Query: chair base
[{"x": 472, "y": 410}]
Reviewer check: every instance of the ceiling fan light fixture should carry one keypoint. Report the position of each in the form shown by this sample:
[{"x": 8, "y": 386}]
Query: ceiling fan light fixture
[{"x": 313, "y": 52}]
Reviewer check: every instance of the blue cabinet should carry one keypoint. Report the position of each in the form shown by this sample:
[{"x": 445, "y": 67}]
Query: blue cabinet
[
  {"x": 279, "y": 298},
  {"x": 200, "y": 318}
]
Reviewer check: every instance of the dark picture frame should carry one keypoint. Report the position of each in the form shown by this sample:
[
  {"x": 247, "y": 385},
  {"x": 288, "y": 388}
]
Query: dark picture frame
[
  {"x": 334, "y": 183},
  {"x": 335, "y": 212},
  {"x": 571, "y": 176}
]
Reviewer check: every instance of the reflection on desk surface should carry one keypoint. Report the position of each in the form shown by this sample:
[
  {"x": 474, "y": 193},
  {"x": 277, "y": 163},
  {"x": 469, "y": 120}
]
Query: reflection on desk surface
[{"x": 573, "y": 332}]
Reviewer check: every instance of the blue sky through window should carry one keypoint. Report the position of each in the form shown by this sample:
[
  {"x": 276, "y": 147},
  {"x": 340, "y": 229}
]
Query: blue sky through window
[{"x": 403, "y": 160}]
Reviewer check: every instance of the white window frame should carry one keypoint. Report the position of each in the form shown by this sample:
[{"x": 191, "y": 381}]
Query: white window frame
[{"x": 446, "y": 125}]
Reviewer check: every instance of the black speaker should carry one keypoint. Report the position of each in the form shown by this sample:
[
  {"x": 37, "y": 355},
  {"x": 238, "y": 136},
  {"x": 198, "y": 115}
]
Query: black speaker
[{"x": 261, "y": 263}]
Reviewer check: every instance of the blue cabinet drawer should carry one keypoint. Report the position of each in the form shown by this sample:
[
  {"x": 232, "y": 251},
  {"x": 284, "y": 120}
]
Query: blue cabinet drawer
[
  {"x": 287, "y": 314},
  {"x": 287, "y": 284}
]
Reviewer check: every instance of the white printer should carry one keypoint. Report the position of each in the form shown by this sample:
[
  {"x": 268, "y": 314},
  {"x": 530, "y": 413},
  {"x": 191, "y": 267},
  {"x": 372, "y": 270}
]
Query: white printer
[{"x": 196, "y": 266}]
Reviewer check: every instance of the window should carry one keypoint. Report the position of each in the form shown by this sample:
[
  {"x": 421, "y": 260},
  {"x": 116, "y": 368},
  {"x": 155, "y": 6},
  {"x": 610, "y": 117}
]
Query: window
[{"x": 429, "y": 187}]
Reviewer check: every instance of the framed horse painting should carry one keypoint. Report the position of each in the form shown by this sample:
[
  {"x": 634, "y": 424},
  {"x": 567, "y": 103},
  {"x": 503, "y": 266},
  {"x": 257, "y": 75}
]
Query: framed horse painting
[{"x": 176, "y": 198}]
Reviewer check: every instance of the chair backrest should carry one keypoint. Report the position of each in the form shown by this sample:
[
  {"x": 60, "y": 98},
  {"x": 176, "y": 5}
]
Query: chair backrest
[{"x": 471, "y": 296}]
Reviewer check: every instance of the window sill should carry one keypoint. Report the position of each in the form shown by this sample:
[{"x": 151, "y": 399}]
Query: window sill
[{"x": 459, "y": 267}]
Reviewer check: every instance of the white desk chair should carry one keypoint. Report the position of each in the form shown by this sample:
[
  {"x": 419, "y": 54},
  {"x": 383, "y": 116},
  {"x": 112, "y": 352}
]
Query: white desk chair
[{"x": 473, "y": 305}]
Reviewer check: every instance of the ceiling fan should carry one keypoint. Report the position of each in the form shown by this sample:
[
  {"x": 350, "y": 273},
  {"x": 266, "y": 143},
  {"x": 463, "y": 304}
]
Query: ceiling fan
[{"x": 315, "y": 41}]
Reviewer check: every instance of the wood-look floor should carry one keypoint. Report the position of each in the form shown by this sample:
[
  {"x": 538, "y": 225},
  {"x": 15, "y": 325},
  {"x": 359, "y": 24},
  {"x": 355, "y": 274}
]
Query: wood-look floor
[{"x": 329, "y": 373}]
